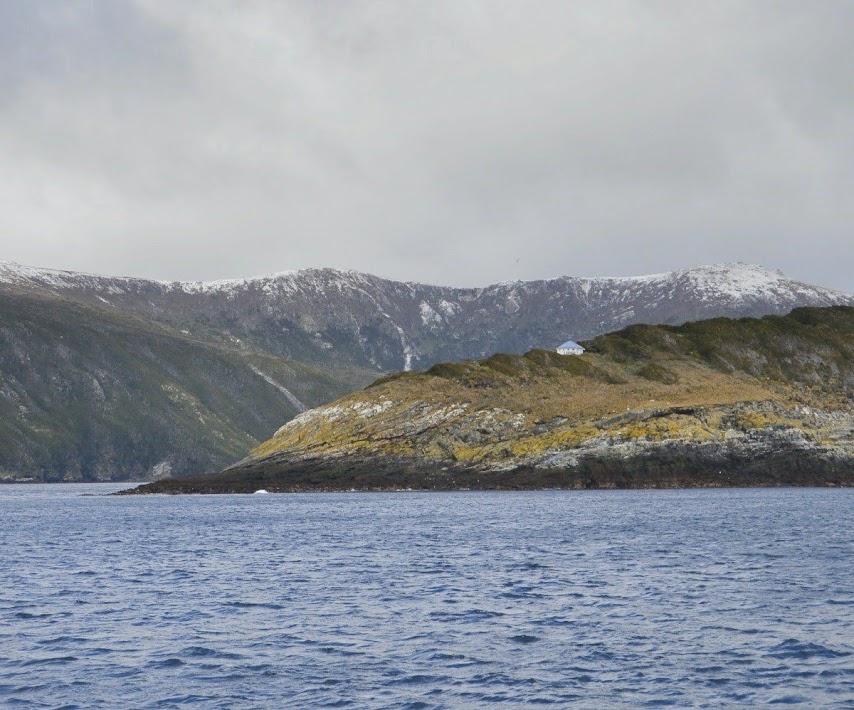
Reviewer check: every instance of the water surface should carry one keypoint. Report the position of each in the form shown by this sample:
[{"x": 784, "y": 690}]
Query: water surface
[{"x": 619, "y": 598}]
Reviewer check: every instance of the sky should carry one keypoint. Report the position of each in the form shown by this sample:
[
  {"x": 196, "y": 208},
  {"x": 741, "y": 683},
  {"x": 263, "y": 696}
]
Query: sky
[{"x": 453, "y": 142}]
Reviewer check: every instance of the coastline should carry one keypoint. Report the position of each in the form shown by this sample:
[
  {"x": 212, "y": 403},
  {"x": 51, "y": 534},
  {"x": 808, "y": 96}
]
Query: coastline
[{"x": 594, "y": 473}]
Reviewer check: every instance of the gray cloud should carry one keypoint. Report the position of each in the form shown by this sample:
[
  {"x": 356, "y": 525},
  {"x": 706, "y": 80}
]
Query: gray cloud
[{"x": 455, "y": 142}]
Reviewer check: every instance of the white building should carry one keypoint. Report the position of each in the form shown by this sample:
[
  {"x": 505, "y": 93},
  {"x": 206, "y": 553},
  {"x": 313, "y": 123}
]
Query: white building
[{"x": 570, "y": 347}]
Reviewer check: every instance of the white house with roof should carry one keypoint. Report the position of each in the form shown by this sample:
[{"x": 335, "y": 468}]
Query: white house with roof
[{"x": 570, "y": 347}]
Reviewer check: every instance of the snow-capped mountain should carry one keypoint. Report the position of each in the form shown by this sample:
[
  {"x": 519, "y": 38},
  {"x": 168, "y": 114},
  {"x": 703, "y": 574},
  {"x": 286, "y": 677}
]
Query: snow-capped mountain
[
  {"x": 123, "y": 377},
  {"x": 324, "y": 316}
]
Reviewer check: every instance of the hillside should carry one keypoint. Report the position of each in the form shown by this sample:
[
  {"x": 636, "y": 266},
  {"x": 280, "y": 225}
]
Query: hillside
[
  {"x": 330, "y": 318},
  {"x": 313, "y": 336},
  {"x": 765, "y": 401},
  {"x": 90, "y": 394}
]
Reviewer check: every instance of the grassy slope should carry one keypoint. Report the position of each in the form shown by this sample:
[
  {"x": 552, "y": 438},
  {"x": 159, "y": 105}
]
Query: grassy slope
[
  {"x": 87, "y": 393},
  {"x": 805, "y": 358},
  {"x": 747, "y": 381}
]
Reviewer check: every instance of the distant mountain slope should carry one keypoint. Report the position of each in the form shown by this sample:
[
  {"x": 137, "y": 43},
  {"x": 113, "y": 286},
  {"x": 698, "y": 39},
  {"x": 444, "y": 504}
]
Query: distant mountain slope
[
  {"x": 111, "y": 377},
  {"x": 713, "y": 403},
  {"x": 91, "y": 393},
  {"x": 328, "y": 317}
]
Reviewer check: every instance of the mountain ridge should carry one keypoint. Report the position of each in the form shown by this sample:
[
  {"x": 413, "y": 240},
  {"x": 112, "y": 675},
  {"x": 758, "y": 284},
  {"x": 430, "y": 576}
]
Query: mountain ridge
[
  {"x": 327, "y": 314},
  {"x": 14, "y": 272},
  {"x": 322, "y": 332}
]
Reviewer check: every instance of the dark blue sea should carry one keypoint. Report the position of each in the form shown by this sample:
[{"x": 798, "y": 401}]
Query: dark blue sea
[{"x": 595, "y": 599}]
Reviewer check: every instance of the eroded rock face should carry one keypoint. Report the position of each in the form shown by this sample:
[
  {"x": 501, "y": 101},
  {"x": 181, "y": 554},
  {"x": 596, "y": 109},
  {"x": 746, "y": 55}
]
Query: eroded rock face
[{"x": 759, "y": 443}]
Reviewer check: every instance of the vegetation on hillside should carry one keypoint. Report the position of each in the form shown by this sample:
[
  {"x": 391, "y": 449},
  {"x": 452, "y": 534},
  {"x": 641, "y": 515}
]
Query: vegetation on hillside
[
  {"x": 722, "y": 381},
  {"x": 87, "y": 393}
]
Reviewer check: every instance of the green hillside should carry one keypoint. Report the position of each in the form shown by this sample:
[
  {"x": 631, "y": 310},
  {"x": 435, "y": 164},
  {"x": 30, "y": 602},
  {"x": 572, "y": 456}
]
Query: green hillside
[{"x": 87, "y": 393}]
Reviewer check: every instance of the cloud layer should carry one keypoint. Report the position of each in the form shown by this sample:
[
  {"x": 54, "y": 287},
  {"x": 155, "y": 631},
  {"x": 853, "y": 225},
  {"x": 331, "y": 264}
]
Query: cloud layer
[{"x": 453, "y": 142}]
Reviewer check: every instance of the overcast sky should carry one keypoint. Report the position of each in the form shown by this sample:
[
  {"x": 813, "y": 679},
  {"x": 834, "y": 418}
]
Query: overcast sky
[{"x": 451, "y": 142}]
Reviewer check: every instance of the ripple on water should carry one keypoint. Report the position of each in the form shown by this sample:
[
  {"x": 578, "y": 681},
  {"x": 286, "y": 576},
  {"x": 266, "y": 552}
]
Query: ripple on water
[
  {"x": 524, "y": 638},
  {"x": 167, "y": 663},
  {"x": 50, "y": 660},
  {"x": 794, "y": 648},
  {"x": 26, "y": 615},
  {"x": 598, "y": 599},
  {"x": 202, "y": 652}
]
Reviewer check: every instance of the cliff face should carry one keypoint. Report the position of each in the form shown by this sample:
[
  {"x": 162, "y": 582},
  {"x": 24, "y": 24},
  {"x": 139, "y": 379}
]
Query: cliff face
[{"x": 719, "y": 402}]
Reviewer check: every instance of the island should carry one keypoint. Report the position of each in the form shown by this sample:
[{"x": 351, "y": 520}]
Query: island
[{"x": 721, "y": 402}]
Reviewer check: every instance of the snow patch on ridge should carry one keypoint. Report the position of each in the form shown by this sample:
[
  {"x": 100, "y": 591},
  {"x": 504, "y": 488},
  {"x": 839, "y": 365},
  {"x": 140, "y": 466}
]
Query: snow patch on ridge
[
  {"x": 448, "y": 308},
  {"x": 428, "y": 315},
  {"x": 739, "y": 282},
  {"x": 734, "y": 282}
]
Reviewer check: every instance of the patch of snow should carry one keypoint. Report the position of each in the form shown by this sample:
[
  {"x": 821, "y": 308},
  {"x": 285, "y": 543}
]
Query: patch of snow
[
  {"x": 428, "y": 315},
  {"x": 736, "y": 283},
  {"x": 448, "y": 308}
]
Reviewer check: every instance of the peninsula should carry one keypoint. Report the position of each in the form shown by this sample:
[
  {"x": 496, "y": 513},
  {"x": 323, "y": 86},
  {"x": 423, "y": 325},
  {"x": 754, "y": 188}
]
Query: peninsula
[{"x": 721, "y": 402}]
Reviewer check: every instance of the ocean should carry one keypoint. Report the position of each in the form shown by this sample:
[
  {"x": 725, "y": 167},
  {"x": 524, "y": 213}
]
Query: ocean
[{"x": 590, "y": 599}]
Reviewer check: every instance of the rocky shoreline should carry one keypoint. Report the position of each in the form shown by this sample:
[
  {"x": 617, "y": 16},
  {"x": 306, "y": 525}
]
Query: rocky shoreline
[
  {"x": 675, "y": 465},
  {"x": 747, "y": 402}
]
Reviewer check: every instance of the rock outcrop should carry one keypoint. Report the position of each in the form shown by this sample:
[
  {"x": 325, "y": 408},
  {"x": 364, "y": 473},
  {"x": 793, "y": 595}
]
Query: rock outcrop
[{"x": 720, "y": 402}]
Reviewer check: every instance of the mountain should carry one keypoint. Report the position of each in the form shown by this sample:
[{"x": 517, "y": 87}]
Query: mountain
[
  {"x": 747, "y": 401},
  {"x": 270, "y": 346},
  {"x": 328, "y": 318},
  {"x": 89, "y": 393}
]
